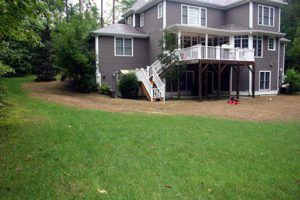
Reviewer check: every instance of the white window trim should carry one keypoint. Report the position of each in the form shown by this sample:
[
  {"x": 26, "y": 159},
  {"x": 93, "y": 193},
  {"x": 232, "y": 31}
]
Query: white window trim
[
  {"x": 142, "y": 24},
  {"x": 129, "y": 20},
  {"x": 262, "y": 22},
  {"x": 115, "y": 47},
  {"x": 241, "y": 41},
  {"x": 159, "y": 13},
  {"x": 262, "y": 46},
  {"x": 270, "y": 82},
  {"x": 273, "y": 44},
  {"x": 188, "y": 18}
]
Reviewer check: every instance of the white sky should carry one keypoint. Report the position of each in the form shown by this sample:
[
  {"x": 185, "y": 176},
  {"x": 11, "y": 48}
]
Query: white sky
[{"x": 107, "y": 8}]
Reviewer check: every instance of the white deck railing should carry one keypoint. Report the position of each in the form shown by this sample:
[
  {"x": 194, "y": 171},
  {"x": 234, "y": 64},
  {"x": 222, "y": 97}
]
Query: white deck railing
[
  {"x": 216, "y": 53},
  {"x": 159, "y": 91}
]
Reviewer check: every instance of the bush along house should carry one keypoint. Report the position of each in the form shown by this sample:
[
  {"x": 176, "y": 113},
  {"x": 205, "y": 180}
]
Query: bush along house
[{"x": 230, "y": 47}]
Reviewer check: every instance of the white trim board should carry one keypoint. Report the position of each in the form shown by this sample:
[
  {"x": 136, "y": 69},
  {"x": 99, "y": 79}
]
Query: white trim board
[
  {"x": 257, "y": 93},
  {"x": 270, "y": 81},
  {"x": 115, "y": 45}
]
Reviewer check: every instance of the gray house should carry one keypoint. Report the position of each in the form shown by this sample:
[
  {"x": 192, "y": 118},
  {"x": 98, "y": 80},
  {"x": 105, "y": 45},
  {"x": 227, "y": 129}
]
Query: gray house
[{"x": 230, "y": 47}]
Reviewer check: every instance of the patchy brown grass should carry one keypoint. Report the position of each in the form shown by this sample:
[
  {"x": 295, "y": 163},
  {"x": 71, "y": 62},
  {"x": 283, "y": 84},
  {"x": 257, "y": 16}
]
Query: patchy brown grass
[{"x": 275, "y": 108}]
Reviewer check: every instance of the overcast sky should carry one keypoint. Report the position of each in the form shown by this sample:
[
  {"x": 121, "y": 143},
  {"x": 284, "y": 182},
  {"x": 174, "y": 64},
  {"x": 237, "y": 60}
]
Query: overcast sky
[{"x": 107, "y": 5}]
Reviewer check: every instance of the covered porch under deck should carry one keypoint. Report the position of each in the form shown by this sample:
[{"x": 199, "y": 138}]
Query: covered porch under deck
[
  {"x": 211, "y": 79},
  {"x": 214, "y": 60}
]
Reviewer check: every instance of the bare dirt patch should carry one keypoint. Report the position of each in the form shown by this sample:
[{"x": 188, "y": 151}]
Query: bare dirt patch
[{"x": 266, "y": 108}]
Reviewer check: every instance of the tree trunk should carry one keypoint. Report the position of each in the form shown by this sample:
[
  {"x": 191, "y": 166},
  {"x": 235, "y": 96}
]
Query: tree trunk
[
  {"x": 80, "y": 7},
  {"x": 67, "y": 9},
  {"x": 102, "y": 20},
  {"x": 114, "y": 9}
]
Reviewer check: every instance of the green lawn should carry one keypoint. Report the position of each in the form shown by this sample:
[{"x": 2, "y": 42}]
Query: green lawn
[{"x": 50, "y": 151}]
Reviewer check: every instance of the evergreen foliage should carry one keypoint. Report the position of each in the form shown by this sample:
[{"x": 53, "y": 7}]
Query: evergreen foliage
[
  {"x": 129, "y": 86},
  {"x": 72, "y": 50}
]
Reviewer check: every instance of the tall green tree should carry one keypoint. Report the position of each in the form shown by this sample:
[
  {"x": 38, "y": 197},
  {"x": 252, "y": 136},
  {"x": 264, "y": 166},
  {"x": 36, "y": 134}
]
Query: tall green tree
[
  {"x": 290, "y": 25},
  {"x": 19, "y": 22},
  {"x": 43, "y": 62},
  {"x": 17, "y": 17},
  {"x": 291, "y": 18},
  {"x": 73, "y": 51},
  {"x": 126, "y": 4}
]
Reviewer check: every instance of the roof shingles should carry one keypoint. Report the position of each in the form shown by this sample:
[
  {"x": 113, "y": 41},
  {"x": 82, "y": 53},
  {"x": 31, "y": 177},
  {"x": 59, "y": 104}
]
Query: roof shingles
[{"x": 120, "y": 29}]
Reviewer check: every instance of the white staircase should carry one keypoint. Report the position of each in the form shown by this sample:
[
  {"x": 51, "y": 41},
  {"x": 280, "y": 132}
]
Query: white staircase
[
  {"x": 153, "y": 86},
  {"x": 152, "y": 83}
]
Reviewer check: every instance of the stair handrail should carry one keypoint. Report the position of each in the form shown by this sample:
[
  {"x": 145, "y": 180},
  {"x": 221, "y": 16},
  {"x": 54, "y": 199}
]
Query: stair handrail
[
  {"x": 159, "y": 84},
  {"x": 142, "y": 76}
]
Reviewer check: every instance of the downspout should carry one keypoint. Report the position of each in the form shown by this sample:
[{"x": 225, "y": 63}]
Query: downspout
[{"x": 98, "y": 74}]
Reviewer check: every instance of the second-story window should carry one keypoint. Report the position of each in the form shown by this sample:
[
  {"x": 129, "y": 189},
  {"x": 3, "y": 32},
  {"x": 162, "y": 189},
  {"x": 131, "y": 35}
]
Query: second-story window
[
  {"x": 159, "y": 10},
  {"x": 123, "y": 47},
  {"x": 258, "y": 46},
  {"x": 192, "y": 15},
  {"x": 142, "y": 20},
  {"x": 241, "y": 41},
  {"x": 266, "y": 15},
  {"x": 272, "y": 44},
  {"x": 129, "y": 20}
]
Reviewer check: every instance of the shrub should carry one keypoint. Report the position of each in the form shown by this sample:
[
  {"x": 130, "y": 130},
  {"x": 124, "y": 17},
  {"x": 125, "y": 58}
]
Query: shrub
[
  {"x": 292, "y": 80},
  {"x": 129, "y": 86},
  {"x": 104, "y": 89}
]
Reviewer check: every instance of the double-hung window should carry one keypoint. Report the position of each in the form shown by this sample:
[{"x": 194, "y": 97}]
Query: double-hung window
[
  {"x": 264, "y": 80},
  {"x": 258, "y": 46},
  {"x": 266, "y": 15},
  {"x": 123, "y": 47},
  {"x": 192, "y": 15},
  {"x": 142, "y": 20},
  {"x": 159, "y": 10},
  {"x": 241, "y": 41},
  {"x": 272, "y": 44}
]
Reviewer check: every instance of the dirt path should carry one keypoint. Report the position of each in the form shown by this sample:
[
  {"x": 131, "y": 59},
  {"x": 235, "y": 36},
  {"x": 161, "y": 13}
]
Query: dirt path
[{"x": 275, "y": 108}]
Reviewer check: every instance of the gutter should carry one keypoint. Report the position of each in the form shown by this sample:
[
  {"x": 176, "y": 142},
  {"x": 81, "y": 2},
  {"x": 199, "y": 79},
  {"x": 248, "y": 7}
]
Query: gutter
[
  {"x": 122, "y": 34},
  {"x": 196, "y": 29}
]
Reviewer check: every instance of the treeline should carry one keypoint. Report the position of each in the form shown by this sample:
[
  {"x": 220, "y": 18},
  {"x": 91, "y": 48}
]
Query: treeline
[{"x": 47, "y": 37}]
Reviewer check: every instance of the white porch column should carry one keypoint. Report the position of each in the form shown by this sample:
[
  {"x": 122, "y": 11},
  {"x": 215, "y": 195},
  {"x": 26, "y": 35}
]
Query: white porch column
[
  {"x": 179, "y": 40},
  {"x": 206, "y": 45},
  {"x": 230, "y": 82},
  {"x": 164, "y": 14},
  {"x": 251, "y": 14},
  {"x": 133, "y": 20},
  {"x": 250, "y": 42},
  {"x": 98, "y": 74},
  {"x": 250, "y": 46},
  {"x": 250, "y": 80},
  {"x": 283, "y": 63}
]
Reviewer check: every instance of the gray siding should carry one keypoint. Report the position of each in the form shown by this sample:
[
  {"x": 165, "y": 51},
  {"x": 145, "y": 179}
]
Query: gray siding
[
  {"x": 153, "y": 27},
  {"x": 110, "y": 63},
  {"x": 266, "y": 28},
  {"x": 238, "y": 15},
  {"x": 215, "y": 17},
  {"x": 269, "y": 57}
]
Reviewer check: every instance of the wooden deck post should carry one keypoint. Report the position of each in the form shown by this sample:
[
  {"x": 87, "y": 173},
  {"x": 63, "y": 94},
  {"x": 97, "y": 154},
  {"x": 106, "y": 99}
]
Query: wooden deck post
[
  {"x": 219, "y": 80},
  {"x": 253, "y": 81},
  {"x": 200, "y": 80},
  {"x": 238, "y": 81}
]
